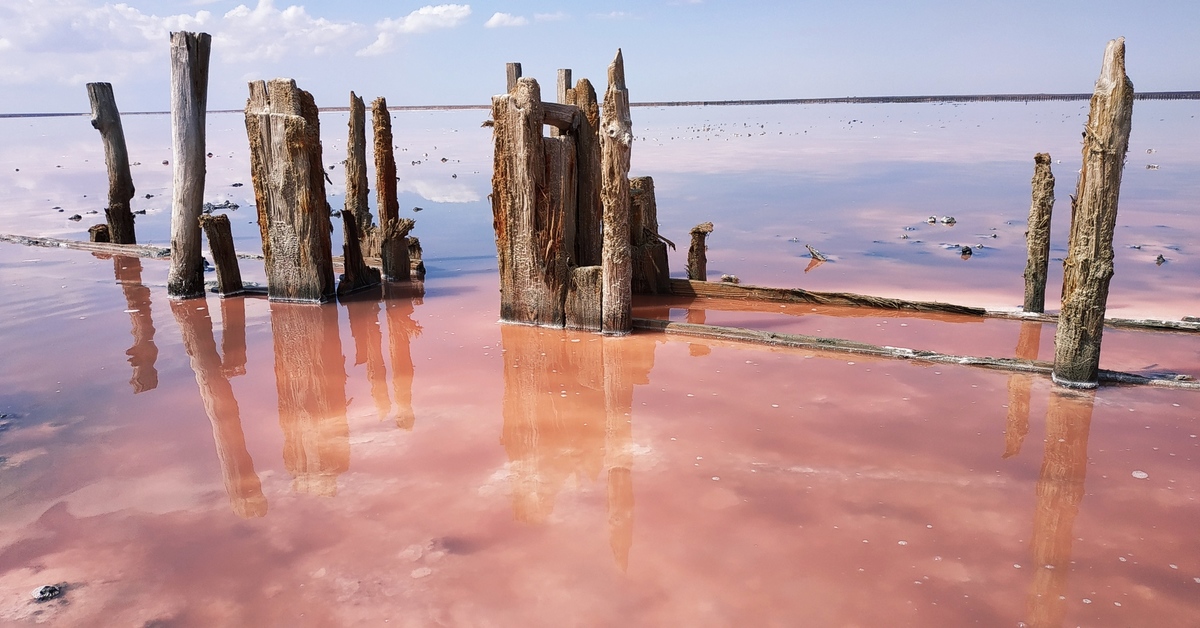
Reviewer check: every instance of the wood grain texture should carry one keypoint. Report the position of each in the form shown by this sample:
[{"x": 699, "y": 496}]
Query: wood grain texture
[
  {"x": 589, "y": 210},
  {"x": 649, "y": 252},
  {"x": 220, "y": 244},
  {"x": 697, "y": 264},
  {"x": 616, "y": 139},
  {"x": 357, "y": 190},
  {"x": 189, "y": 102},
  {"x": 107, "y": 120},
  {"x": 1037, "y": 236}
]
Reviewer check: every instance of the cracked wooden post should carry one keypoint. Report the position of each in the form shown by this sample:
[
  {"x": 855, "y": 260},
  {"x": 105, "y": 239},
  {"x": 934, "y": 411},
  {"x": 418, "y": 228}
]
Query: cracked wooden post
[
  {"x": 1088, "y": 267},
  {"x": 697, "y": 266},
  {"x": 289, "y": 189},
  {"x": 616, "y": 138},
  {"x": 650, "y": 273},
  {"x": 589, "y": 210},
  {"x": 393, "y": 247},
  {"x": 220, "y": 243},
  {"x": 189, "y": 101},
  {"x": 513, "y": 70},
  {"x": 107, "y": 120},
  {"x": 1037, "y": 237},
  {"x": 357, "y": 275},
  {"x": 357, "y": 199}
]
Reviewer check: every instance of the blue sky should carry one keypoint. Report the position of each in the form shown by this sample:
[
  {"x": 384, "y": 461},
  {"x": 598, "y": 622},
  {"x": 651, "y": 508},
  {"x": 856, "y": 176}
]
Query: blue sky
[{"x": 415, "y": 53}]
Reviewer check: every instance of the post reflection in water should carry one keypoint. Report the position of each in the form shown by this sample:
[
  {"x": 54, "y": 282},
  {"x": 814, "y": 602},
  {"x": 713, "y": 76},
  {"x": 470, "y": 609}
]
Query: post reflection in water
[
  {"x": 363, "y": 310},
  {"x": 697, "y": 317},
  {"x": 237, "y": 468},
  {"x": 1017, "y": 425},
  {"x": 568, "y": 402},
  {"x": 1060, "y": 489},
  {"x": 310, "y": 378},
  {"x": 142, "y": 355},
  {"x": 399, "y": 302}
]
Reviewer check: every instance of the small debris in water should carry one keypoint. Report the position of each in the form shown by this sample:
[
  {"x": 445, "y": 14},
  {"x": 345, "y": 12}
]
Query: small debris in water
[
  {"x": 75, "y": 217},
  {"x": 948, "y": 220},
  {"x": 1151, "y": 166},
  {"x": 1160, "y": 260},
  {"x": 149, "y": 196},
  {"x": 417, "y": 209},
  {"x": 1139, "y": 474},
  {"x": 966, "y": 252},
  {"x": 235, "y": 185},
  {"x": 208, "y": 208},
  {"x": 166, "y": 163},
  {"x": 730, "y": 279},
  {"x": 931, "y": 220},
  {"x": 817, "y": 255},
  {"x": 47, "y": 592}
]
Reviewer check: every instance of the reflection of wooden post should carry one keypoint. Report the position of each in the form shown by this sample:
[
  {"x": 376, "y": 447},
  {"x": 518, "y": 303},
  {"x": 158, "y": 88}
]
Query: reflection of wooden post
[
  {"x": 650, "y": 273},
  {"x": 1089, "y": 264},
  {"x": 143, "y": 353},
  {"x": 233, "y": 337},
  {"x": 358, "y": 275},
  {"x": 189, "y": 101},
  {"x": 237, "y": 468},
  {"x": 398, "y": 304},
  {"x": 310, "y": 377},
  {"x": 107, "y": 120},
  {"x": 616, "y": 138},
  {"x": 1060, "y": 489},
  {"x": 357, "y": 192},
  {"x": 368, "y": 346},
  {"x": 621, "y": 371},
  {"x": 697, "y": 268},
  {"x": 289, "y": 189},
  {"x": 589, "y": 211},
  {"x": 1037, "y": 237},
  {"x": 1017, "y": 425},
  {"x": 513, "y": 70},
  {"x": 220, "y": 243}
]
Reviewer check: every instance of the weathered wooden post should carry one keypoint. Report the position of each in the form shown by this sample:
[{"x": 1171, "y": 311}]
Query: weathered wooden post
[
  {"x": 616, "y": 137},
  {"x": 393, "y": 247},
  {"x": 1088, "y": 267},
  {"x": 650, "y": 272},
  {"x": 1037, "y": 237},
  {"x": 357, "y": 192},
  {"x": 289, "y": 189},
  {"x": 357, "y": 275},
  {"x": 589, "y": 210},
  {"x": 220, "y": 243},
  {"x": 564, "y": 86},
  {"x": 99, "y": 233},
  {"x": 189, "y": 102},
  {"x": 697, "y": 265},
  {"x": 107, "y": 120},
  {"x": 513, "y": 70}
]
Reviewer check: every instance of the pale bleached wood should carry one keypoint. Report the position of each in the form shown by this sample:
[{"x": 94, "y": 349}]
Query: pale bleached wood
[
  {"x": 589, "y": 210},
  {"x": 393, "y": 248},
  {"x": 189, "y": 101},
  {"x": 289, "y": 190},
  {"x": 697, "y": 264},
  {"x": 1037, "y": 236},
  {"x": 107, "y": 119},
  {"x": 616, "y": 138},
  {"x": 566, "y": 118},
  {"x": 220, "y": 244},
  {"x": 1088, "y": 267},
  {"x": 357, "y": 190}
]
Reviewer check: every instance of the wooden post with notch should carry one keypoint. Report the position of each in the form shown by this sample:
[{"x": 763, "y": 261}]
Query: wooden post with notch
[
  {"x": 289, "y": 189},
  {"x": 616, "y": 138},
  {"x": 1088, "y": 267},
  {"x": 189, "y": 101},
  {"x": 697, "y": 265},
  {"x": 220, "y": 243},
  {"x": 1037, "y": 237},
  {"x": 107, "y": 120}
]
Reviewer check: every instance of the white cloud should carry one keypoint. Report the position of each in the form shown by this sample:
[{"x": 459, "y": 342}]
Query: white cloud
[
  {"x": 439, "y": 191},
  {"x": 613, "y": 15},
  {"x": 265, "y": 32},
  {"x": 549, "y": 17},
  {"x": 422, "y": 20},
  {"x": 499, "y": 20}
]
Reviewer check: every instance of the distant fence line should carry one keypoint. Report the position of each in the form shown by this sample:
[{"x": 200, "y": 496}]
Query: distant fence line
[{"x": 854, "y": 100}]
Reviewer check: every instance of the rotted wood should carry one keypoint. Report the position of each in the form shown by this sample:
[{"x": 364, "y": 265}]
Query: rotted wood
[
  {"x": 530, "y": 242},
  {"x": 416, "y": 258},
  {"x": 357, "y": 191},
  {"x": 189, "y": 102},
  {"x": 650, "y": 272},
  {"x": 1088, "y": 267},
  {"x": 722, "y": 290},
  {"x": 560, "y": 185},
  {"x": 1037, "y": 237},
  {"x": 107, "y": 120},
  {"x": 289, "y": 189},
  {"x": 589, "y": 210},
  {"x": 356, "y": 274},
  {"x": 99, "y": 233},
  {"x": 697, "y": 267},
  {"x": 582, "y": 308},
  {"x": 616, "y": 138},
  {"x": 513, "y": 71},
  {"x": 220, "y": 244},
  {"x": 394, "y": 250}
]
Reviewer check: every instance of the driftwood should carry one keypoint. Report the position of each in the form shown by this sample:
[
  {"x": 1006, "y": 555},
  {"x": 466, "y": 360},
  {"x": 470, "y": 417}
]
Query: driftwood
[
  {"x": 357, "y": 275},
  {"x": 220, "y": 243},
  {"x": 189, "y": 101},
  {"x": 357, "y": 192},
  {"x": 99, "y": 233},
  {"x": 1088, "y": 267},
  {"x": 1037, "y": 237},
  {"x": 649, "y": 252},
  {"x": 616, "y": 138},
  {"x": 588, "y": 207},
  {"x": 697, "y": 265},
  {"x": 107, "y": 120},
  {"x": 722, "y": 290},
  {"x": 289, "y": 189}
]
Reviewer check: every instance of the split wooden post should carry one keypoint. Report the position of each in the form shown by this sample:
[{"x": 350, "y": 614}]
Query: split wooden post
[
  {"x": 616, "y": 137},
  {"x": 393, "y": 247},
  {"x": 107, "y": 120},
  {"x": 697, "y": 266},
  {"x": 589, "y": 210},
  {"x": 357, "y": 204},
  {"x": 1037, "y": 237},
  {"x": 189, "y": 102},
  {"x": 220, "y": 243},
  {"x": 650, "y": 273},
  {"x": 357, "y": 276},
  {"x": 513, "y": 70},
  {"x": 1088, "y": 267},
  {"x": 289, "y": 189}
]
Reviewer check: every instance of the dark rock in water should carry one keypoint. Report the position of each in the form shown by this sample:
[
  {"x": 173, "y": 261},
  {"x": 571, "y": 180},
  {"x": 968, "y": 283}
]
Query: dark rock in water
[
  {"x": 966, "y": 252},
  {"x": 140, "y": 211},
  {"x": 1161, "y": 260},
  {"x": 47, "y": 592},
  {"x": 235, "y": 185},
  {"x": 149, "y": 196},
  {"x": 166, "y": 163},
  {"x": 417, "y": 209},
  {"x": 75, "y": 217}
]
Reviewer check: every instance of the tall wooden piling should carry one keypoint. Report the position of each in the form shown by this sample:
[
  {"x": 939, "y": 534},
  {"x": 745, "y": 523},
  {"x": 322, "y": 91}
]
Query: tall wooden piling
[
  {"x": 189, "y": 102},
  {"x": 357, "y": 199},
  {"x": 1088, "y": 267},
  {"x": 289, "y": 189},
  {"x": 564, "y": 86},
  {"x": 1037, "y": 236},
  {"x": 616, "y": 138},
  {"x": 697, "y": 265},
  {"x": 107, "y": 120},
  {"x": 649, "y": 254},
  {"x": 589, "y": 210},
  {"x": 393, "y": 248},
  {"x": 220, "y": 244}
]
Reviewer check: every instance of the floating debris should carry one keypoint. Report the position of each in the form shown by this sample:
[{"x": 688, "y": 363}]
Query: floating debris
[
  {"x": 948, "y": 220},
  {"x": 417, "y": 209},
  {"x": 730, "y": 279},
  {"x": 75, "y": 217},
  {"x": 47, "y": 592},
  {"x": 209, "y": 208},
  {"x": 149, "y": 196},
  {"x": 1160, "y": 260},
  {"x": 966, "y": 252},
  {"x": 1151, "y": 166},
  {"x": 235, "y": 185},
  {"x": 817, "y": 255}
]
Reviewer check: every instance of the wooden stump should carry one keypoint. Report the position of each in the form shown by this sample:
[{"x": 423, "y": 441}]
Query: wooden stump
[
  {"x": 616, "y": 137},
  {"x": 589, "y": 210},
  {"x": 583, "y": 305},
  {"x": 357, "y": 192},
  {"x": 650, "y": 272},
  {"x": 1088, "y": 267},
  {"x": 357, "y": 275},
  {"x": 220, "y": 243},
  {"x": 107, "y": 120},
  {"x": 416, "y": 259},
  {"x": 697, "y": 266},
  {"x": 99, "y": 233},
  {"x": 289, "y": 189},
  {"x": 189, "y": 102},
  {"x": 394, "y": 250},
  {"x": 1037, "y": 237}
]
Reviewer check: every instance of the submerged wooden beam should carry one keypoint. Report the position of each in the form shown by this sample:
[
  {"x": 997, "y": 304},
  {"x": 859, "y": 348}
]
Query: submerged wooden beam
[
  {"x": 1088, "y": 267},
  {"x": 1037, "y": 236},
  {"x": 107, "y": 120},
  {"x": 616, "y": 138},
  {"x": 189, "y": 102},
  {"x": 722, "y": 290}
]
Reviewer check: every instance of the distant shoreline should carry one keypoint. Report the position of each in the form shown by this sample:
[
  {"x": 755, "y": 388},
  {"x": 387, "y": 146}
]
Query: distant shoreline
[{"x": 873, "y": 100}]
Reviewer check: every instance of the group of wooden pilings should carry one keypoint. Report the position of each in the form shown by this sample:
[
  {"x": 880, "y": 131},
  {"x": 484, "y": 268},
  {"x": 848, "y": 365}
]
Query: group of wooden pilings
[{"x": 289, "y": 189}]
